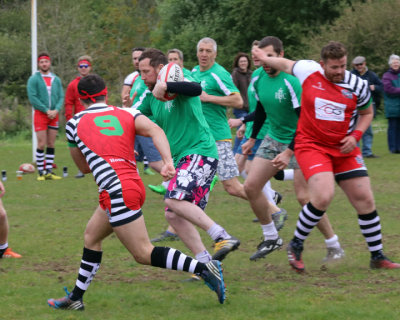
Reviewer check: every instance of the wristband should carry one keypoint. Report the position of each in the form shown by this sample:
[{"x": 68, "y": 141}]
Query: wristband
[
  {"x": 241, "y": 119},
  {"x": 356, "y": 134}
]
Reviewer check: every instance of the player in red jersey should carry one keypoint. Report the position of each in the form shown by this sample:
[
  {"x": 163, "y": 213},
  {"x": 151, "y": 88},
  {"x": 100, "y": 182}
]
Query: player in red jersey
[
  {"x": 46, "y": 95},
  {"x": 72, "y": 104},
  {"x": 101, "y": 141},
  {"x": 336, "y": 110}
]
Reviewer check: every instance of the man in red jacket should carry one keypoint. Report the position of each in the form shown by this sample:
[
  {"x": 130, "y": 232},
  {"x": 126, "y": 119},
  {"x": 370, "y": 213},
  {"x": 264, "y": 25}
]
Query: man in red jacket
[{"x": 72, "y": 103}]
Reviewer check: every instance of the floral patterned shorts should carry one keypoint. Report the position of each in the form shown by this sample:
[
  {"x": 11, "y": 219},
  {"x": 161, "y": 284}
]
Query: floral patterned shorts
[{"x": 194, "y": 174}]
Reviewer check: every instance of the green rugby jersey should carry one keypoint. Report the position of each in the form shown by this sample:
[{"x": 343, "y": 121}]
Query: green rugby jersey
[
  {"x": 216, "y": 81},
  {"x": 280, "y": 96},
  {"x": 183, "y": 123}
]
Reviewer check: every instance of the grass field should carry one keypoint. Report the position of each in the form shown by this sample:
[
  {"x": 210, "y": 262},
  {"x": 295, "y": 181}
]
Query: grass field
[{"x": 47, "y": 220}]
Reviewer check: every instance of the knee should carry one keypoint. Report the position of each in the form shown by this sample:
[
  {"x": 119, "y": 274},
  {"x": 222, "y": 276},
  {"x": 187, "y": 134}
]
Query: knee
[
  {"x": 249, "y": 189},
  {"x": 170, "y": 203},
  {"x": 366, "y": 203},
  {"x": 321, "y": 202},
  {"x": 230, "y": 190},
  {"x": 302, "y": 198},
  {"x": 170, "y": 216},
  {"x": 3, "y": 215},
  {"x": 143, "y": 254},
  {"x": 90, "y": 239},
  {"x": 234, "y": 189},
  {"x": 41, "y": 145}
]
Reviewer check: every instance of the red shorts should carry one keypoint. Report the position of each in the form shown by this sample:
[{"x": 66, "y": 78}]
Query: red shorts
[
  {"x": 42, "y": 122},
  {"x": 124, "y": 207},
  {"x": 314, "y": 159}
]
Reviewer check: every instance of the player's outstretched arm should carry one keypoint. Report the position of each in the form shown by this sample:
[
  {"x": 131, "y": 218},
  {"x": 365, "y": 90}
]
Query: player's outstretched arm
[
  {"x": 234, "y": 100},
  {"x": 278, "y": 63}
]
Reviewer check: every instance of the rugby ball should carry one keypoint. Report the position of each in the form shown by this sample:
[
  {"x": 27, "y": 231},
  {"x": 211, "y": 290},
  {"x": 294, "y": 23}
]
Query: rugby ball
[
  {"x": 27, "y": 168},
  {"x": 170, "y": 73}
]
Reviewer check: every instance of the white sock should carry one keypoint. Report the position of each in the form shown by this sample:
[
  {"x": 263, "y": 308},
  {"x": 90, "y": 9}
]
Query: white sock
[
  {"x": 333, "y": 242},
  {"x": 269, "y": 231},
  {"x": 4, "y": 246},
  {"x": 288, "y": 174},
  {"x": 203, "y": 257},
  {"x": 269, "y": 192},
  {"x": 217, "y": 232},
  {"x": 165, "y": 184}
]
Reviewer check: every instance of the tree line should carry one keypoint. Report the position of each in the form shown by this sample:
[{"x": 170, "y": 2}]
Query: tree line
[{"x": 108, "y": 30}]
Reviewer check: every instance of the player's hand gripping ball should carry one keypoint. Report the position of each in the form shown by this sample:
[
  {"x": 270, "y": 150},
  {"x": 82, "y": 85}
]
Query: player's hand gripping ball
[{"x": 170, "y": 73}]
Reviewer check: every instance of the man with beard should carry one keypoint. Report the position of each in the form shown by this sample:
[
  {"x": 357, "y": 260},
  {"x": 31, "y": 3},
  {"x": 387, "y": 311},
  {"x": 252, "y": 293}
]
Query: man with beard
[
  {"x": 278, "y": 95},
  {"x": 132, "y": 91},
  {"x": 336, "y": 111},
  {"x": 46, "y": 95},
  {"x": 194, "y": 153}
]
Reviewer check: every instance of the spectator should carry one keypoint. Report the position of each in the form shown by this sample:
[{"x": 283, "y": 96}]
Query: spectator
[
  {"x": 46, "y": 95},
  {"x": 241, "y": 76},
  {"x": 375, "y": 85},
  {"x": 391, "y": 88}
]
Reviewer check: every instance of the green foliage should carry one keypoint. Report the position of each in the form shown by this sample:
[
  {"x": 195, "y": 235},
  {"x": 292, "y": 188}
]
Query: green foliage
[
  {"x": 235, "y": 24},
  {"x": 369, "y": 29},
  {"x": 124, "y": 24},
  {"x": 14, "y": 56},
  {"x": 14, "y": 119}
]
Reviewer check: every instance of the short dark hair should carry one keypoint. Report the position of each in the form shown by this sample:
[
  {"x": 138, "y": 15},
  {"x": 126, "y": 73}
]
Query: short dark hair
[
  {"x": 275, "y": 42},
  {"x": 333, "y": 50},
  {"x": 156, "y": 57},
  {"x": 138, "y": 49},
  {"x": 238, "y": 56},
  {"x": 255, "y": 43},
  {"x": 91, "y": 84}
]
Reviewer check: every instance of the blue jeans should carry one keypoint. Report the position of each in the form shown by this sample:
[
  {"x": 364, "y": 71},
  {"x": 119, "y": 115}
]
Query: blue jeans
[
  {"x": 393, "y": 135},
  {"x": 238, "y": 113},
  {"x": 367, "y": 138}
]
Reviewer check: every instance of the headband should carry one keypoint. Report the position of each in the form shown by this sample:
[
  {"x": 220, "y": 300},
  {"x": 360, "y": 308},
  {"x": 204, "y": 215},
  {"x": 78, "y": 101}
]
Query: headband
[
  {"x": 92, "y": 96},
  {"x": 43, "y": 57},
  {"x": 84, "y": 61}
]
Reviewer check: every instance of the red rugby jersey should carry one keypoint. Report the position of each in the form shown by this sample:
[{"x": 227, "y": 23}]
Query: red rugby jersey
[{"x": 328, "y": 110}]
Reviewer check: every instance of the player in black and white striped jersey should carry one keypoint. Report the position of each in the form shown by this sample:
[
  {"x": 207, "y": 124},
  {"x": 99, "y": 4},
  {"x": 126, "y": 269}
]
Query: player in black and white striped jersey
[{"x": 101, "y": 140}]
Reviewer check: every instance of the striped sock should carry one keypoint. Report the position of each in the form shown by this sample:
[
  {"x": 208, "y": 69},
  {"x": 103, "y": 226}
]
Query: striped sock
[
  {"x": 40, "y": 160},
  {"x": 169, "y": 258},
  {"x": 49, "y": 159},
  {"x": 371, "y": 229},
  {"x": 308, "y": 218},
  {"x": 90, "y": 263},
  {"x": 145, "y": 163}
]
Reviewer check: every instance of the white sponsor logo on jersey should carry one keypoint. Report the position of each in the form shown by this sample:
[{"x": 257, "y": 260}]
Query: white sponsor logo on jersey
[
  {"x": 168, "y": 105},
  {"x": 329, "y": 110},
  {"x": 280, "y": 95}
]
